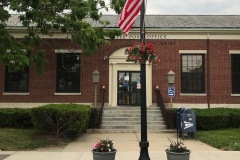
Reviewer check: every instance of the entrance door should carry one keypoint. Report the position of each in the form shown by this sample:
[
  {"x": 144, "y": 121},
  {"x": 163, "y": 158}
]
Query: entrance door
[{"x": 129, "y": 88}]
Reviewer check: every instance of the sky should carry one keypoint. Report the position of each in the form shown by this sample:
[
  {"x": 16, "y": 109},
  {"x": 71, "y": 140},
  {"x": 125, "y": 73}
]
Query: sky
[{"x": 191, "y": 7}]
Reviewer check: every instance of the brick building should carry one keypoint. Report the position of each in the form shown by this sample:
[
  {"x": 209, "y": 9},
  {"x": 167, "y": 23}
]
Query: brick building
[{"x": 203, "y": 51}]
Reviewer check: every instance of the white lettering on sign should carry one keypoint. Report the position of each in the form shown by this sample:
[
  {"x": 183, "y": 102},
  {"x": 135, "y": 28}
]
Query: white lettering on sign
[
  {"x": 147, "y": 36},
  {"x": 187, "y": 124}
]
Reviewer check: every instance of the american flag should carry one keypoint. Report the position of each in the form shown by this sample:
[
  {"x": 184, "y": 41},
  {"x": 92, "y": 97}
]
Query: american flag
[{"x": 129, "y": 14}]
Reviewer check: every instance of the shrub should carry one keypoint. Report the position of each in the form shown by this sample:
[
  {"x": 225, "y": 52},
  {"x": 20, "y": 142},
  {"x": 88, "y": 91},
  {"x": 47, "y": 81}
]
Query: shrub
[
  {"x": 234, "y": 119},
  {"x": 217, "y": 118},
  {"x": 68, "y": 120},
  {"x": 15, "y": 118}
]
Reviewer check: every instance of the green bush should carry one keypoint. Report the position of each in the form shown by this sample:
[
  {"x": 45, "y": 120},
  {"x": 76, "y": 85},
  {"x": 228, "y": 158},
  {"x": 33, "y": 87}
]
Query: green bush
[
  {"x": 217, "y": 118},
  {"x": 68, "y": 120},
  {"x": 234, "y": 119},
  {"x": 15, "y": 118}
]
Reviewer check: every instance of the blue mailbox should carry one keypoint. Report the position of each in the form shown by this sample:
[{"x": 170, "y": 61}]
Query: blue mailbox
[{"x": 188, "y": 123}]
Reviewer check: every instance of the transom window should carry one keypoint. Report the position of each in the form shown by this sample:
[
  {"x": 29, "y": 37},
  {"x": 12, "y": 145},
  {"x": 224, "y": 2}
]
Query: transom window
[
  {"x": 16, "y": 82},
  {"x": 68, "y": 73},
  {"x": 192, "y": 73},
  {"x": 235, "y": 73}
]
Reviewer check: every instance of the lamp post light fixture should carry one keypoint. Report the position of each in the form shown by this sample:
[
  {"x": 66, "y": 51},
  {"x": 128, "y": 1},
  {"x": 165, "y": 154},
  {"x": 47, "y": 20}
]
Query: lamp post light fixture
[
  {"x": 96, "y": 77},
  {"x": 171, "y": 77},
  {"x": 171, "y": 80}
]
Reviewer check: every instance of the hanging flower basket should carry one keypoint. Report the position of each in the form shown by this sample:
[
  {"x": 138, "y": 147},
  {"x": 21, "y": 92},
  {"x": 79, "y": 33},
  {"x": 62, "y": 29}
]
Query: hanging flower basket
[{"x": 142, "y": 53}]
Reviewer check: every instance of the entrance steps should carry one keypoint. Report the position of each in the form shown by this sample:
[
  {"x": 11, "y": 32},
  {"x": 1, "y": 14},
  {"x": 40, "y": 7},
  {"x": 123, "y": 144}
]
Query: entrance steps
[{"x": 128, "y": 119}]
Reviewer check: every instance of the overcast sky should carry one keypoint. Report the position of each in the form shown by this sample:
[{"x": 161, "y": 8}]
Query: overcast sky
[{"x": 191, "y": 7}]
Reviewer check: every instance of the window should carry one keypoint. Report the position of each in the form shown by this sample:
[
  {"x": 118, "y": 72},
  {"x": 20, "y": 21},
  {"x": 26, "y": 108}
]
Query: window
[
  {"x": 68, "y": 73},
  {"x": 235, "y": 73},
  {"x": 192, "y": 73},
  {"x": 16, "y": 81}
]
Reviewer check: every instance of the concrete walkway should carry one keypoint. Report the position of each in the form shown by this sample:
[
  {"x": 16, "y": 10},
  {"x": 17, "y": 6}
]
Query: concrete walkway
[{"x": 127, "y": 145}]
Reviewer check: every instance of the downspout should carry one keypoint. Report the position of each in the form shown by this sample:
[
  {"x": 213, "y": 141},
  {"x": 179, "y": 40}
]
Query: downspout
[{"x": 208, "y": 71}]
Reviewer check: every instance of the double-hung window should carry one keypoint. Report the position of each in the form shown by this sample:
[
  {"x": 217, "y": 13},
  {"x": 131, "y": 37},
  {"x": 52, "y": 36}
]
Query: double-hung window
[
  {"x": 192, "y": 73},
  {"x": 68, "y": 73},
  {"x": 235, "y": 60},
  {"x": 17, "y": 82}
]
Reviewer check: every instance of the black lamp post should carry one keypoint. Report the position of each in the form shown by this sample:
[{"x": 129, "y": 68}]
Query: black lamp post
[
  {"x": 95, "y": 76},
  {"x": 144, "y": 144}
]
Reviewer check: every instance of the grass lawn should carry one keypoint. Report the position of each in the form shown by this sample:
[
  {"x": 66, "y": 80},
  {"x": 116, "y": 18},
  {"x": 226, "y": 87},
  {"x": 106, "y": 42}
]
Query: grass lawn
[
  {"x": 227, "y": 139},
  {"x": 27, "y": 139}
]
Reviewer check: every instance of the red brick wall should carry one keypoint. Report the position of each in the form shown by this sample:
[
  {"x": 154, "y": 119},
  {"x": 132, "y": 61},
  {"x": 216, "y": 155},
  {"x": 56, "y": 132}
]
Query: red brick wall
[{"x": 42, "y": 87}]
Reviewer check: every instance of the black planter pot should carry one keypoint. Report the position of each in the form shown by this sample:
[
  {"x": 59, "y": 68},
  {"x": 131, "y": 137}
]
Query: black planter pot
[
  {"x": 104, "y": 155},
  {"x": 178, "y": 156}
]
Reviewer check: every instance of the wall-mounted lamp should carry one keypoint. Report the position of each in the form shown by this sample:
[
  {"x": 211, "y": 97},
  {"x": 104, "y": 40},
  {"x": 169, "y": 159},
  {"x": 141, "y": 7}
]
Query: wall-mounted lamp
[
  {"x": 171, "y": 77},
  {"x": 171, "y": 81}
]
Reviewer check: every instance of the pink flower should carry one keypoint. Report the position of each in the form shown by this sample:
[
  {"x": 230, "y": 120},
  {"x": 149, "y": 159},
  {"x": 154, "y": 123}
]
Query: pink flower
[{"x": 95, "y": 145}]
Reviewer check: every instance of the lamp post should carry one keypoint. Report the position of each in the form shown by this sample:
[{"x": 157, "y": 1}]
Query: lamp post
[
  {"x": 95, "y": 76},
  {"x": 171, "y": 80},
  {"x": 144, "y": 144}
]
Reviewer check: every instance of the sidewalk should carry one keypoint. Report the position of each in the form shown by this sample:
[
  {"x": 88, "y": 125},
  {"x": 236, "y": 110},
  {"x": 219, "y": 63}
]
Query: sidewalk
[{"x": 127, "y": 145}]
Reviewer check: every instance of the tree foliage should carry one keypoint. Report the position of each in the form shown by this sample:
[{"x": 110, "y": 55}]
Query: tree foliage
[{"x": 42, "y": 17}]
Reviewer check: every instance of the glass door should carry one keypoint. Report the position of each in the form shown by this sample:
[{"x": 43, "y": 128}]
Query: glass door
[{"x": 129, "y": 88}]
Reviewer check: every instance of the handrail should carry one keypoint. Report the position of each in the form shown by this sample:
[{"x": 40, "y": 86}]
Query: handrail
[
  {"x": 168, "y": 115},
  {"x": 98, "y": 112},
  {"x": 101, "y": 108}
]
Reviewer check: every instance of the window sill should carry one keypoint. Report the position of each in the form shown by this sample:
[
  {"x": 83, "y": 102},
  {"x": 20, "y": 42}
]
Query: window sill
[
  {"x": 15, "y": 94},
  {"x": 193, "y": 94},
  {"x": 67, "y": 94},
  {"x": 235, "y": 95}
]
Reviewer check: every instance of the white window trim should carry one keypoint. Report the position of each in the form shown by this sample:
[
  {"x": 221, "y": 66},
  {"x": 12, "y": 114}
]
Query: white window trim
[
  {"x": 192, "y": 94},
  {"x": 192, "y": 51},
  {"x": 15, "y": 93},
  {"x": 67, "y": 94},
  {"x": 234, "y": 51}
]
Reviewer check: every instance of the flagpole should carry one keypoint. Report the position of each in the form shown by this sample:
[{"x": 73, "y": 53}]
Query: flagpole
[{"x": 144, "y": 144}]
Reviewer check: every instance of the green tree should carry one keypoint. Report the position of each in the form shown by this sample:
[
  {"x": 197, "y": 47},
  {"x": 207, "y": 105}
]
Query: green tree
[{"x": 42, "y": 17}]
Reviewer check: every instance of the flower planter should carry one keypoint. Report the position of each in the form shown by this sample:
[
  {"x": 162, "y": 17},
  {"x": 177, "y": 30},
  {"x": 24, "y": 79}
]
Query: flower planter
[
  {"x": 177, "y": 155},
  {"x": 104, "y": 155}
]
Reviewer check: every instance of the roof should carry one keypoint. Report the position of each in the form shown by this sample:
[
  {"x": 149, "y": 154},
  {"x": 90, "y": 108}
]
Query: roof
[
  {"x": 168, "y": 21},
  {"x": 184, "y": 21}
]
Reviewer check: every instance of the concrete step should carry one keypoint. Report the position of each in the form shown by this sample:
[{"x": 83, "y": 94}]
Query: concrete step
[
  {"x": 134, "y": 127},
  {"x": 131, "y": 122},
  {"x": 124, "y": 131},
  {"x": 128, "y": 119},
  {"x": 122, "y": 118},
  {"x": 130, "y": 114}
]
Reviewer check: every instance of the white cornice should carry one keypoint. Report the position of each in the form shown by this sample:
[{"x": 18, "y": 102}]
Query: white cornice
[{"x": 166, "y": 33}]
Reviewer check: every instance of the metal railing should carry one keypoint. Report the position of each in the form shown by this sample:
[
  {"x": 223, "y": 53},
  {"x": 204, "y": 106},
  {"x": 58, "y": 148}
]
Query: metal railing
[
  {"x": 96, "y": 117},
  {"x": 168, "y": 114}
]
